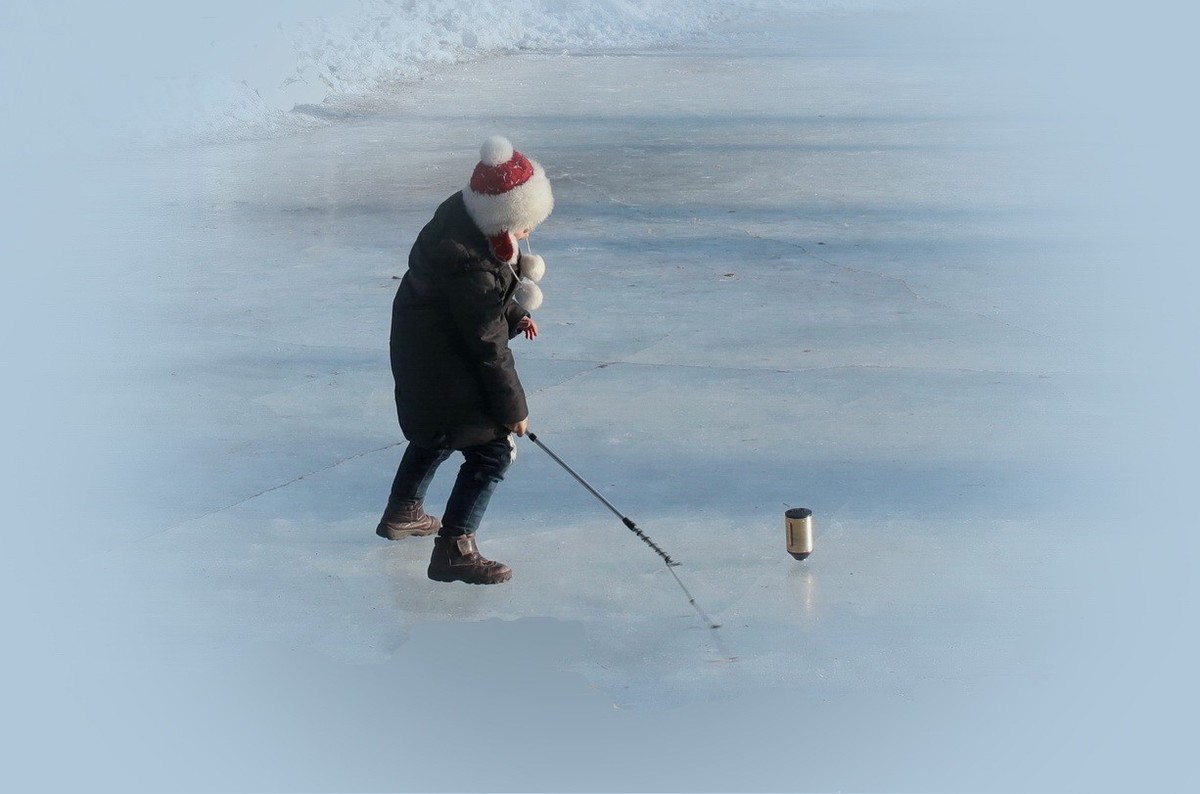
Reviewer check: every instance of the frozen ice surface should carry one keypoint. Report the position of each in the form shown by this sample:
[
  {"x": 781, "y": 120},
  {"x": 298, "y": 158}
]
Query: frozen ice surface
[{"x": 810, "y": 265}]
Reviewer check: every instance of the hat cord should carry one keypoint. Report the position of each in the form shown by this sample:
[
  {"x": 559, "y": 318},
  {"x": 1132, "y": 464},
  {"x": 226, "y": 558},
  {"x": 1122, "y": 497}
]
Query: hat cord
[{"x": 529, "y": 246}]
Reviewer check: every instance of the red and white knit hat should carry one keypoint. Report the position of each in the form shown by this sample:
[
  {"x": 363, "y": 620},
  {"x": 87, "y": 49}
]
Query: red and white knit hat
[{"x": 508, "y": 192}]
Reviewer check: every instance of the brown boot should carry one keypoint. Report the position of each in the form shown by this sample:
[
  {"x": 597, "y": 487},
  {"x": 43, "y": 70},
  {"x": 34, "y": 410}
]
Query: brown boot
[
  {"x": 403, "y": 519},
  {"x": 457, "y": 559}
]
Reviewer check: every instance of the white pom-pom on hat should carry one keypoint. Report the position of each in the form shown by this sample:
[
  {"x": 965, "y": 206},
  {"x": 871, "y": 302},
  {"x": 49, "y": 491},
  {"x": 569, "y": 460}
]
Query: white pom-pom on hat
[
  {"x": 496, "y": 150},
  {"x": 529, "y": 295},
  {"x": 533, "y": 267}
]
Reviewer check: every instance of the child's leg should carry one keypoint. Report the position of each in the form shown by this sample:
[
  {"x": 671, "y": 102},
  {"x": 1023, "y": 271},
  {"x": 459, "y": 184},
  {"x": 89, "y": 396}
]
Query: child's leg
[
  {"x": 455, "y": 556},
  {"x": 405, "y": 514},
  {"x": 478, "y": 477},
  {"x": 415, "y": 472}
]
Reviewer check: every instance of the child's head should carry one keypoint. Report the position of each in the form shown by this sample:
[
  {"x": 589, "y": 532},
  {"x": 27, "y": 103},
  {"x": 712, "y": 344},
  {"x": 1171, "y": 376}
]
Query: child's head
[{"x": 508, "y": 192}]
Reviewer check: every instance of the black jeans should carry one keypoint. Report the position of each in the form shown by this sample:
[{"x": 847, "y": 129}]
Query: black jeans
[{"x": 482, "y": 470}]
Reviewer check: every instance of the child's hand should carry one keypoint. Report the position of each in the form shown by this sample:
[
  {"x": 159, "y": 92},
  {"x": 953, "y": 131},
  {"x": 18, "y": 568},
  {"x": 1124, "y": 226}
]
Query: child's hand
[{"x": 528, "y": 327}]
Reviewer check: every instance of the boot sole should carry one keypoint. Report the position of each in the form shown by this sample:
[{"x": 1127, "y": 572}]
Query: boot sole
[
  {"x": 401, "y": 534},
  {"x": 449, "y": 578}
]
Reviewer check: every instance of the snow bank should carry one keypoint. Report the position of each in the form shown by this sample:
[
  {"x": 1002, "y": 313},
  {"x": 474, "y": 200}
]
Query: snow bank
[{"x": 230, "y": 70}]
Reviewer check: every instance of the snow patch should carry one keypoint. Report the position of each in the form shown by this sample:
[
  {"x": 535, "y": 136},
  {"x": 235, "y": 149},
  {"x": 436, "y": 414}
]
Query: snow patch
[{"x": 240, "y": 72}]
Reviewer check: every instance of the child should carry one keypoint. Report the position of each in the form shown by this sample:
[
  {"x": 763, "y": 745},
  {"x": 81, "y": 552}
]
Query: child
[{"x": 456, "y": 382}]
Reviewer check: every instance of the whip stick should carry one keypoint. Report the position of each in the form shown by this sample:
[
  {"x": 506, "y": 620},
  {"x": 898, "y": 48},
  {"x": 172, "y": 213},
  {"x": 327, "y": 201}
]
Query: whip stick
[{"x": 628, "y": 522}]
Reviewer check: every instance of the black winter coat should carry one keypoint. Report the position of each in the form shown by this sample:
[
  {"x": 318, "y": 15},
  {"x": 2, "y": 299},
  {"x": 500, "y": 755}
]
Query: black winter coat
[{"x": 452, "y": 318}]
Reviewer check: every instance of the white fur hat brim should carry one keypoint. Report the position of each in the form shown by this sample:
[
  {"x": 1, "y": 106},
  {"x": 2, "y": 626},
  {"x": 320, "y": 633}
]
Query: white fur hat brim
[{"x": 523, "y": 207}]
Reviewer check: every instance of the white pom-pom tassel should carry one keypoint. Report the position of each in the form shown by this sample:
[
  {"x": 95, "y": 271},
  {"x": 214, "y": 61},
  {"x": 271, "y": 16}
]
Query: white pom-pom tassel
[
  {"x": 496, "y": 150},
  {"x": 529, "y": 295},
  {"x": 533, "y": 267}
]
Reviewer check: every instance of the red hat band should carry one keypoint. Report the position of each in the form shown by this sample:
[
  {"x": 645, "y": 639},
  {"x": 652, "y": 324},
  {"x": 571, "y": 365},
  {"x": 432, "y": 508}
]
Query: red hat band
[{"x": 492, "y": 180}]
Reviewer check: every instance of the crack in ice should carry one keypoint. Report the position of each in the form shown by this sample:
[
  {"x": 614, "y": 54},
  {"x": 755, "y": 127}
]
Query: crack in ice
[{"x": 265, "y": 491}]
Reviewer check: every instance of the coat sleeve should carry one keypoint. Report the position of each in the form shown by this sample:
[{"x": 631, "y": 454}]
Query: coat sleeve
[
  {"x": 481, "y": 319},
  {"x": 514, "y": 313}
]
